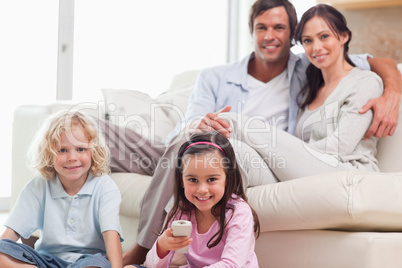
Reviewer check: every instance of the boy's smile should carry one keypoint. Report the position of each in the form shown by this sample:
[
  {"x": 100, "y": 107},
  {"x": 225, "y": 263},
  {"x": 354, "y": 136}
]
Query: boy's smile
[{"x": 73, "y": 159}]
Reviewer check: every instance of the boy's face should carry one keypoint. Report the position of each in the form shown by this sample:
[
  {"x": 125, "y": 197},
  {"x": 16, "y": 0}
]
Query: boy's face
[
  {"x": 73, "y": 159},
  {"x": 271, "y": 34}
]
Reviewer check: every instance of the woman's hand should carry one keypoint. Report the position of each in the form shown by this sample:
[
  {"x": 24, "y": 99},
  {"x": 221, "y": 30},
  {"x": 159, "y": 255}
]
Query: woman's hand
[{"x": 167, "y": 242}]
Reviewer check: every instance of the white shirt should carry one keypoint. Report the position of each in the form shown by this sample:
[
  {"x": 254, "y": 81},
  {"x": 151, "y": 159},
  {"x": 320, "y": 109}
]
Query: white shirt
[{"x": 269, "y": 100}]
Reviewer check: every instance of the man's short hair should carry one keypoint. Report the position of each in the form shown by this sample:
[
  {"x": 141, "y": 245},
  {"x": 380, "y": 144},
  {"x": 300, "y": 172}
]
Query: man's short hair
[{"x": 260, "y": 6}]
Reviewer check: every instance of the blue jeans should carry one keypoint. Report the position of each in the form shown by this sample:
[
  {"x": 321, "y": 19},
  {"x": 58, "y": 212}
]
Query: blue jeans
[{"x": 27, "y": 254}]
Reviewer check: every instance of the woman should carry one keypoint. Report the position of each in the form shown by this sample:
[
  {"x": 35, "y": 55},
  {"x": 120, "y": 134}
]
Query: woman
[{"x": 330, "y": 131}]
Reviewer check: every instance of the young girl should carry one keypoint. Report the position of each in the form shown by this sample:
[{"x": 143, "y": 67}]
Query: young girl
[
  {"x": 209, "y": 193},
  {"x": 74, "y": 203}
]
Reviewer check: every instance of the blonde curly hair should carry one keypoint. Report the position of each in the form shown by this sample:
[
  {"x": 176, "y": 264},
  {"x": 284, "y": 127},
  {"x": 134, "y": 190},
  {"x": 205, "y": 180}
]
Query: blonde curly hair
[{"x": 43, "y": 150}]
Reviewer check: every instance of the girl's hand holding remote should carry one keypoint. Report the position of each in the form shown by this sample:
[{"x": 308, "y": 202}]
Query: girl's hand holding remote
[{"x": 167, "y": 242}]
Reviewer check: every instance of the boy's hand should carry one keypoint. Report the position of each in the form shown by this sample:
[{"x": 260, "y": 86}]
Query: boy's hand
[
  {"x": 113, "y": 248},
  {"x": 167, "y": 242},
  {"x": 10, "y": 234}
]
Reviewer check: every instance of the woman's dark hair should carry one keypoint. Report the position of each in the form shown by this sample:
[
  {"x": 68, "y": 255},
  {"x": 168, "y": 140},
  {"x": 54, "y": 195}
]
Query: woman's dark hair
[
  {"x": 337, "y": 23},
  {"x": 261, "y": 6},
  {"x": 234, "y": 184}
]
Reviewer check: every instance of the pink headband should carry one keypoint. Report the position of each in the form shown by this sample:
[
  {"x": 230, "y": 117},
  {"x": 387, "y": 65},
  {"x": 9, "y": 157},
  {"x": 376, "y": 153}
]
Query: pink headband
[{"x": 205, "y": 142}]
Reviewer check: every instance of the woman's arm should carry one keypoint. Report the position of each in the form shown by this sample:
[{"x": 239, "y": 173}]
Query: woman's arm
[
  {"x": 10, "y": 234},
  {"x": 349, "y": 127},
  {"x": 113, "y": 248},
  {"x": 386, "y": 107}
]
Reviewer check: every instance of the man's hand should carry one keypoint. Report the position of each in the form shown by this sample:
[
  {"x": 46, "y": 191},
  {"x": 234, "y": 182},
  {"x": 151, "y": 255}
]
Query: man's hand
[
  {"x": 212, "y": 122},
  {"x": 386, "y": 113},
  {"x": 386, "y": 107}
]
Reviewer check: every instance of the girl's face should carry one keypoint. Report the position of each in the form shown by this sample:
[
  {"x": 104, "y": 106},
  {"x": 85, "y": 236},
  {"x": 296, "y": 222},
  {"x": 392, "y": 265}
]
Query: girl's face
[
  {"x": 322, "y": 46},
  {"x": 204, "y": 180},
  {"x": 73, "y": 158}
]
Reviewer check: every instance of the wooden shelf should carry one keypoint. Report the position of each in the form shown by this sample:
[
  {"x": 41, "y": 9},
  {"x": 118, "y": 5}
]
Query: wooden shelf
[{"x": 361, "y": 4}]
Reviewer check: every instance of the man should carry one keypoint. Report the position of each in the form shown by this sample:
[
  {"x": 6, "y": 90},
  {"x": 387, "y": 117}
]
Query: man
[{"x": 265, "y": 84}]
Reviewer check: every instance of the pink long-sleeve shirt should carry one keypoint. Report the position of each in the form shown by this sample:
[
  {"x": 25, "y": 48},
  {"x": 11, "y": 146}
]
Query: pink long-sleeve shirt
[{"x": 236, "y": 249}]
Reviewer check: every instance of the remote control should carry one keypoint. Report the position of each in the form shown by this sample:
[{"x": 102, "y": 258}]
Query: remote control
[{"x": 182, "y": 228}]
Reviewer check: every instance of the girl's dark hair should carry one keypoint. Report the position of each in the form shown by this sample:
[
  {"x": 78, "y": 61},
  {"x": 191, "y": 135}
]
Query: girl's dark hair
[
  {"x": 261, "y": 6},
  {"x": 234, "y": 183},
  {"x": 337, "y": 23}
]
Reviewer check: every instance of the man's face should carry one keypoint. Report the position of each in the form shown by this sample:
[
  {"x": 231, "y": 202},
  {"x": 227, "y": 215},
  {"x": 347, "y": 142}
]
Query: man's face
[{"x": 271, "y": 34}]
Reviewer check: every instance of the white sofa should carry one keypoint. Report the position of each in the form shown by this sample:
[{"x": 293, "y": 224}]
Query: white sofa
[{"x": 344, "y": 219}]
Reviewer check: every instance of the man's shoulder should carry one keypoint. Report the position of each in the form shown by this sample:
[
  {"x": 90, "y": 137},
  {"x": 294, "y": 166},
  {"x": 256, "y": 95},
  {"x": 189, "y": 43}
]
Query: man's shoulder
[{"x": 300, "y": 58}]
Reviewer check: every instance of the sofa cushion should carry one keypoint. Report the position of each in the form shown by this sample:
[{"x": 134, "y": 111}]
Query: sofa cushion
[
  {"x": 347, "y": 200},
  {"x": 153, "y": 118},
  {"x": 175, "y": 103},
  {"x": 132, "y": 188},
  {"x": 352, "y": 201},
  {"x": 184, "y": 80},
  {"x": 329, "y": 249},
  {"x": 390, "y": 148}
]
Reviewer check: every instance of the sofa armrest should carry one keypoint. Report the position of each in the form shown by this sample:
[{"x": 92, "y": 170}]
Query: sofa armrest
[{"x": 26, "y": 121}]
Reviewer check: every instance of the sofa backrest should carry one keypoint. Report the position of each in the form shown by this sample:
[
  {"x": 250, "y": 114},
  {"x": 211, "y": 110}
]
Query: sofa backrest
[
  {"x": 390, "y": 148},
  {"x": 130, "y": 102},
  {"x": 389, "y": 152},
  {"x": 28, "y": 118}
]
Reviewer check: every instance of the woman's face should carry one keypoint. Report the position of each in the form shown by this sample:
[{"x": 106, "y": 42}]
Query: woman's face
[{"x": 323, "y": 47}]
